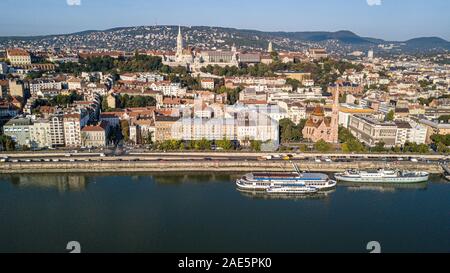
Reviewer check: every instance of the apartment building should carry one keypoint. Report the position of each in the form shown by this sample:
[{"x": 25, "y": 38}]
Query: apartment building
[
  {"x": 95, "y": 135},
  {"x": 19, "y": 130},
  {"x": 72, "y": 128},
  {"x": 410, "y": 132},
  {"x": 371, "y": 131}
]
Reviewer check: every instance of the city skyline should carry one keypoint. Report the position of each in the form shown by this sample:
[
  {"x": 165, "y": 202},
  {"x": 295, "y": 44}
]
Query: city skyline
[{"x": 387, "y": 19}]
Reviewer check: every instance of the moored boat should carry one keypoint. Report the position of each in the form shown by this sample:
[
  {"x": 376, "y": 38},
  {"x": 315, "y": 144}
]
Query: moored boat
[
  {"x": 263, "y": 181},
  {"x": 382, "y": 176}
]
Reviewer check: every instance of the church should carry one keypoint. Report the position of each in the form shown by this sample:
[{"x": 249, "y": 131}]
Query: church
[{"x": 318, "y": 126}]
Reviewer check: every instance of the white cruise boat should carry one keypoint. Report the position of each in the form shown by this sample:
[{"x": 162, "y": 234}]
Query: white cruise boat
[
  {"x": 382, "y": 176},
  {"x": 290, "y": 189},
  {"x": 263, "y": 181}
]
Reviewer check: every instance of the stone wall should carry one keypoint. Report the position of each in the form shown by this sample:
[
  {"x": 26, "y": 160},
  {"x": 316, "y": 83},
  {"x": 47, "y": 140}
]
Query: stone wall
[{"x": 219, "y": 166}]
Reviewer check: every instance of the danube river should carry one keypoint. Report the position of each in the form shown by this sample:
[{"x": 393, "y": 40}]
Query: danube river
[{"x": 205, "y": 213}]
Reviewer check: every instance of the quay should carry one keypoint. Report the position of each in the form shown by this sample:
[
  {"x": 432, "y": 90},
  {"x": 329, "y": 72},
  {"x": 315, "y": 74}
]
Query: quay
[{"x": 133, "y": 164}]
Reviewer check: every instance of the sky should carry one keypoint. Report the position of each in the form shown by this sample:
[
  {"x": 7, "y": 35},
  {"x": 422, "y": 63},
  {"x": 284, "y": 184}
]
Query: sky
[{"x": 395, "y": 20}]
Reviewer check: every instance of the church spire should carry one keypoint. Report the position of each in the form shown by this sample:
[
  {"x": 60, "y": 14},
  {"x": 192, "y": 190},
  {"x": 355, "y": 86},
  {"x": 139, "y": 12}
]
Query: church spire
[
  {"x": 270, "y": 48},
  {"x": 179, "y": 42},
  {"x": 335, "y": 116}
]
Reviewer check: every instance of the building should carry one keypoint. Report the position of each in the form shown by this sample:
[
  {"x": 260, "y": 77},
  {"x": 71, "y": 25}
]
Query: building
[
  {"x": 347, "y": 110},
  {"x": 410, "y": 132},
  {"x": 164, "y": 126},
  {"x": 207, "y": 83},
  {"x": 238, "y": 123},
  {"x": 251, "y": 94},
  {"x": 18, "y": 57},
  {"x": 317, "y": 53},
  {"x": 142, "y": 131},
  {"x": 295, "y": 75},
  {"x": 346, "y": 88},
  {"x": 318, "y": 127},
  {"x": 111, "y": 101},
  {"x": 19, "y": 130},
  {"x": 3, "y": 68},
  {"x": 371, "y": 131},
  {"x": 74, "y": 84},
  {"x": 72, "y": 128},
  {"x": 95, "y": 135},
  {"x": 56, "y": 130},
  {"x": 16, "y": 88},
  {"x": 44, "y": 84},
  {"x": 40, "y": 134},
  {"x": 435, "y": 128},
  {"x": 249, "y": 58}
]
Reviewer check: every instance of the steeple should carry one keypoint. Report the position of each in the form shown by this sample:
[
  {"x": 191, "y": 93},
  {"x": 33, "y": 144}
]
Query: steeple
[
  {"x": 179, "y": 42},
  {"x": 335, "y": 116},
  {"x": 270, "y": 49},
  {"x": 233, "y": 48}
]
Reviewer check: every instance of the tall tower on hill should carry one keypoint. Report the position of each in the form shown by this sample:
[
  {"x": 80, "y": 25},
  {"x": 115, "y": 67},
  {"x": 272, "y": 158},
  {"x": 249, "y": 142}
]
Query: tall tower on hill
[{"x": 179, "y": 52}]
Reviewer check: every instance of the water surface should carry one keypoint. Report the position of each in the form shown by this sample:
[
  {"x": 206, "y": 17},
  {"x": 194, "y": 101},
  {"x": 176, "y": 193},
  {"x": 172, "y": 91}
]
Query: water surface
[{"x": 205, "y": 213}]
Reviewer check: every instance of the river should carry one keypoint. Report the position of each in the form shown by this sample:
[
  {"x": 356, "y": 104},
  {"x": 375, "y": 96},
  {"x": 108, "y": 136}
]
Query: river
[{"x": 205, "y": 213}]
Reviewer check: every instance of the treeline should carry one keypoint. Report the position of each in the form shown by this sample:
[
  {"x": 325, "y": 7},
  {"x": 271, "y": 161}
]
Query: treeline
[
  {"x": 7, "y": 143},
  {"x": 203, "y": 145},
  {"x": 349, "y": 143},
  {"x": 139, "y": 63},
  {"x": 441, "y": 143},
  {"x": 232, "y": 93},
  {"x": 323, "y": 72},
  {"x": 60, "y": 99},
  {"x": 291, "y": 132},
  {"x": 127, "y": 101}
]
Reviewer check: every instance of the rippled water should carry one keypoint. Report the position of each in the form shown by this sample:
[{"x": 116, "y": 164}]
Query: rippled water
[{"x": 205, "y": 213}]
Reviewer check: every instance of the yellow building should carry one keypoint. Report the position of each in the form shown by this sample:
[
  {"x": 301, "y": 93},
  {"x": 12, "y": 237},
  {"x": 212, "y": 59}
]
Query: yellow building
[{"x": 18, "y": 56}]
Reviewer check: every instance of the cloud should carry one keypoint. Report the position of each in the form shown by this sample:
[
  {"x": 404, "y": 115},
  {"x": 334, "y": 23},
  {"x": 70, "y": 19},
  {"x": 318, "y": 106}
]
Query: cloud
[
  {"x": 73, "y": 2},
  {"x": 374, "y": 2}
]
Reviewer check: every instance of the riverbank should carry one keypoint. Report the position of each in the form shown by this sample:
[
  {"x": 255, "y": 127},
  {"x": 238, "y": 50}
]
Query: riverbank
[{"x": 206, "y": 165}]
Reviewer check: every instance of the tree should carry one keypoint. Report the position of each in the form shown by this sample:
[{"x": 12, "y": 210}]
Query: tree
[
  {"x": 255, "y": 145},
  {"x": 125, "y": 129},
  {"x": 289, "y": 131},
  {"x": 379, "y": 147},
  {"x": 441, "y": 148},
  {"x": 225, "y": 144},
  {"x": 322, "y": 146},
  {"x": 390, "y": 115},
  {"x": 202, "y": 145},
  {"x": 148, "y": 138},
  {"x": 7, "y": 143}
]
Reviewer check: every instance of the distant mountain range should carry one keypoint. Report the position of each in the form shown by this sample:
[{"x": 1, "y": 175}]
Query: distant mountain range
[{"x": 163, "y": 37}]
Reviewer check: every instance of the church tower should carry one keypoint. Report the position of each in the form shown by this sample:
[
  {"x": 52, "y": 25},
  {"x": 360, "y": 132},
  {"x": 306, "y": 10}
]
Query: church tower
[
  {"x": 270, "y": 48},
  {"x": 179, "y": 52},
  {"x": 335, "y": 117}
]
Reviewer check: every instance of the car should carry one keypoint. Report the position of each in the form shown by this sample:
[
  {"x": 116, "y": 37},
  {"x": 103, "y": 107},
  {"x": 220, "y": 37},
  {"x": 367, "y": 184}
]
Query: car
[
  {"x": 317, "y": 160},
  {"x": 414, "y": 160}
]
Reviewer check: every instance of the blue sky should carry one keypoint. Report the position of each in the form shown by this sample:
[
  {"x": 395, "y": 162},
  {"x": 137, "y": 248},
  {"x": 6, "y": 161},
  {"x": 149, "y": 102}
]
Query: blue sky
[{"x": 386, "y": 19}]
